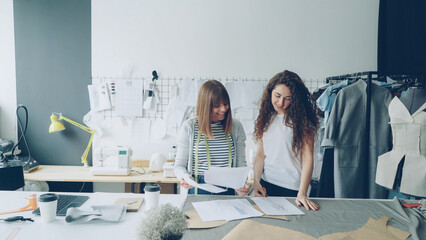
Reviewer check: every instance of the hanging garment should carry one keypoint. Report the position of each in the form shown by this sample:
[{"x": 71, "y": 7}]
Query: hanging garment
[
  {"x": 326, "y": 100},
  {"x": 409, "y": 140},
  {"x": 355, "y": 162},
  {"x": 413, "y": 98},
  {"x": 326, "y": 181}
]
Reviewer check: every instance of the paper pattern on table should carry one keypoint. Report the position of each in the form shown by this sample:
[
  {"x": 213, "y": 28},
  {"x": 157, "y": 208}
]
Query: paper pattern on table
[
  {"x": 225, "y": 210},
  {"x": 276, "y": 206}
]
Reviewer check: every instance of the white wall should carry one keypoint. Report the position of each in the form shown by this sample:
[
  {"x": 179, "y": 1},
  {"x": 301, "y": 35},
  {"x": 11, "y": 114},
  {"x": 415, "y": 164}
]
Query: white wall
[
  {"x": 239, "y": 38},
  {"x": 7, "y": 72},
  {"x": 222, "y": 38}
]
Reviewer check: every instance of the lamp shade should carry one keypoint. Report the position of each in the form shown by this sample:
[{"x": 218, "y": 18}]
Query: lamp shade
[{"x": 55, "y": 125}]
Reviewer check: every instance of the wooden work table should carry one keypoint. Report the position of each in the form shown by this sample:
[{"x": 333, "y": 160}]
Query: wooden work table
[
  {"x": 82, "y": 174},
  {"x": 140, "y": 174}
]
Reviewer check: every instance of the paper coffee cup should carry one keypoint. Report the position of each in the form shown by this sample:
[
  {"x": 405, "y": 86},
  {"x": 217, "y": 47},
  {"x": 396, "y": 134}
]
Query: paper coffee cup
[
  {"x": 152, "y": 196},
  {"x": 48, "y": 203}
]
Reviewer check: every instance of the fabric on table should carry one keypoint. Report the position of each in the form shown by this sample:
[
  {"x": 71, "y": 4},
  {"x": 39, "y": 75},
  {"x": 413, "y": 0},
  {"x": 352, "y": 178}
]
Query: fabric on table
[
  {"x": 334, "y": 215},
  {"x": 250, "y": 229},
  {"x": 110, "y": 213},
  {"x": 373, "y": 229}
]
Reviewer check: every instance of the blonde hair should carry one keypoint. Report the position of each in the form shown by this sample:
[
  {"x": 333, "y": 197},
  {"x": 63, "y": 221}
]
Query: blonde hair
[{"x": 212, "y": 93}]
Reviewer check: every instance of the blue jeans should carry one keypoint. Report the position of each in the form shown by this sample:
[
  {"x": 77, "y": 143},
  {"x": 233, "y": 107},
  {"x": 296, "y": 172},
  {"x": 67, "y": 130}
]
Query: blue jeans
[{"x": 230, "y": 191}]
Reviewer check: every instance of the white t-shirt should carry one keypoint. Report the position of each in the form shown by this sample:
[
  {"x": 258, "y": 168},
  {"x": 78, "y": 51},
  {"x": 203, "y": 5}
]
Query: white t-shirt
[{"x": 281, "y": 167}]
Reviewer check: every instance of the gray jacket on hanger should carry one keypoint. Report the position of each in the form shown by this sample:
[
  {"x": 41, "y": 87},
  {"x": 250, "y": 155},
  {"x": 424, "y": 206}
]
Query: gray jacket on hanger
[{"x": 355, "y": 163}]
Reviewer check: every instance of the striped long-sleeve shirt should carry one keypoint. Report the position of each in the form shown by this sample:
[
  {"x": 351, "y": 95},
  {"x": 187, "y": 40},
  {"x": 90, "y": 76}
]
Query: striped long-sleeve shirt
[{"x": 218, "y": 147}]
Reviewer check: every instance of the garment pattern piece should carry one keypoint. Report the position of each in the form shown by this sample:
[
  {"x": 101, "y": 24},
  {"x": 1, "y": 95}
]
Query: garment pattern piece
[{"x": 409, "y": 141}]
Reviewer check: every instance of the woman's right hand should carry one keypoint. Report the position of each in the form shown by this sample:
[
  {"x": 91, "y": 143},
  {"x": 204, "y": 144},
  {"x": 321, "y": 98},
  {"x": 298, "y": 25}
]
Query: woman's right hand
[
  {"x": 185, "y": 185},
  {"x": 258, "y": 190}
]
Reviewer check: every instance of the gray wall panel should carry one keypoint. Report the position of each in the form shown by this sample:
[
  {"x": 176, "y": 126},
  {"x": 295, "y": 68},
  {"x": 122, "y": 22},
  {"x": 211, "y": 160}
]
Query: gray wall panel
[{"x": 53, "y": 69}]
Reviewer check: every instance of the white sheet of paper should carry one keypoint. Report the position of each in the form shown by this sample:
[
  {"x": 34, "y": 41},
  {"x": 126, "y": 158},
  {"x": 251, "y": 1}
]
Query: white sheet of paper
[
  {"x": 99, "y": 97},
  {"x": 234, "y": 92},
  {"x": 159, "y": 129},
  {"x": 141, "y": 130},
  {"x": 174, "y": 116},
  {"x": 204, "y": 186},
  {"x": 253, "y": 92},
  {"x": 188, "y": 92},
  {"x": 276, "y": 206},
  {"x": 227, "y": 177},
  {"x": 225, "y": 210},
  {"x": 129, "y": 97},
  {"x": 96, "y": 121}
]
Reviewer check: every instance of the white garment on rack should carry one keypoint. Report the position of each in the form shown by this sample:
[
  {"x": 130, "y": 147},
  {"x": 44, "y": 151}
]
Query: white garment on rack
[{"x": 409, "y": 140}]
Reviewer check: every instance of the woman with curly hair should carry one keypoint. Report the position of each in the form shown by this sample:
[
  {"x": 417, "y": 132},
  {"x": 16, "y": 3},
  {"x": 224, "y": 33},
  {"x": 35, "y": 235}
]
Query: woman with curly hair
[{"x": 285, "y": 130}]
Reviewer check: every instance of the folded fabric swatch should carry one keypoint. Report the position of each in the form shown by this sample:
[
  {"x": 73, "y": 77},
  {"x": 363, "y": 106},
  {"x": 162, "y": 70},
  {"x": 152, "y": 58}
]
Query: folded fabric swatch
[{"x": 110, "y": 213}]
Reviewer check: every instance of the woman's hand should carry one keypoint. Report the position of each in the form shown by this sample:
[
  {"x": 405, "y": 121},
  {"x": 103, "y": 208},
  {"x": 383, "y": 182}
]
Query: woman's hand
[
  {"x": 301, "y": 199},
  {"x": 244, "y": 191},
  {"x": 185, "y": 185},
  {"x": 258, "y": 190}
]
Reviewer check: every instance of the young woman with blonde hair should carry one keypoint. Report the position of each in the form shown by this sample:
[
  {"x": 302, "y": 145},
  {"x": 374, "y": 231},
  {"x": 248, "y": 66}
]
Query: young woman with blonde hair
[
  {"x": 212, "y": 138},
  {"x": 285, "y": 130}
]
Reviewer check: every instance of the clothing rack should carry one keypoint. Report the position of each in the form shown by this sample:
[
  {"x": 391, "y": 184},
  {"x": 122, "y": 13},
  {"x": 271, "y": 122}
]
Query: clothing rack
[
  {"x": 369, "y": 78},
  {"x": 406, "y": 79},
  {"x": 410, "y": 80}
]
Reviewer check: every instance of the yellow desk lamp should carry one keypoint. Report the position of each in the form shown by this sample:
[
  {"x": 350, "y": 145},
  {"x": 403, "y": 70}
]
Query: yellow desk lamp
[{"x": 56, "y": 126}]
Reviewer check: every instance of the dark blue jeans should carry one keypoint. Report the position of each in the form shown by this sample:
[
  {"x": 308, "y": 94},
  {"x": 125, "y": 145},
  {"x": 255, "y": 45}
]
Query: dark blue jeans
[
  {"x": 277, "y": 191},
  {"x": 230, "y": 191}
]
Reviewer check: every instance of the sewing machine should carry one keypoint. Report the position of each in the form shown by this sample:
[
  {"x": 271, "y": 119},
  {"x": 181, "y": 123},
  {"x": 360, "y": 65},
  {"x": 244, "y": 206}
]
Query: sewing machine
[{"x": 111, "y": 161}]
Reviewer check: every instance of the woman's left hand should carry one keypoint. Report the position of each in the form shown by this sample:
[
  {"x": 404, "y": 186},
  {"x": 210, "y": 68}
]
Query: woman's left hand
[
  {"x": 302, "y": 199},
  {"x": 244, "y": 191}
]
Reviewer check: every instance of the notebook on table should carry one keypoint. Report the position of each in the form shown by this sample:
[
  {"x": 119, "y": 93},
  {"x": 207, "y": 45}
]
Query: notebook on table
[{"x": 65, "y": 202}]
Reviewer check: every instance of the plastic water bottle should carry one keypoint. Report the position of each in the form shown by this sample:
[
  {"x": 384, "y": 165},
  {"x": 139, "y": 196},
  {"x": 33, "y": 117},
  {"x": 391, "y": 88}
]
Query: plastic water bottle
[{"x": 172, "y": 153}]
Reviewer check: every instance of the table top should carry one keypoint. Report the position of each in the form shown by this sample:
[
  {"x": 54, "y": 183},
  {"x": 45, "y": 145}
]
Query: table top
[
  {"x": 335, "y": 215},
  {"x": 59, "y": 229},
  {"x": 60, "y": 173}
]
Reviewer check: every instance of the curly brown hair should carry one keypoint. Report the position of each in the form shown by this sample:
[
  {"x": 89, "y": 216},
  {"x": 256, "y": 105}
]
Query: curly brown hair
[{"x": 300, "y": 115}]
